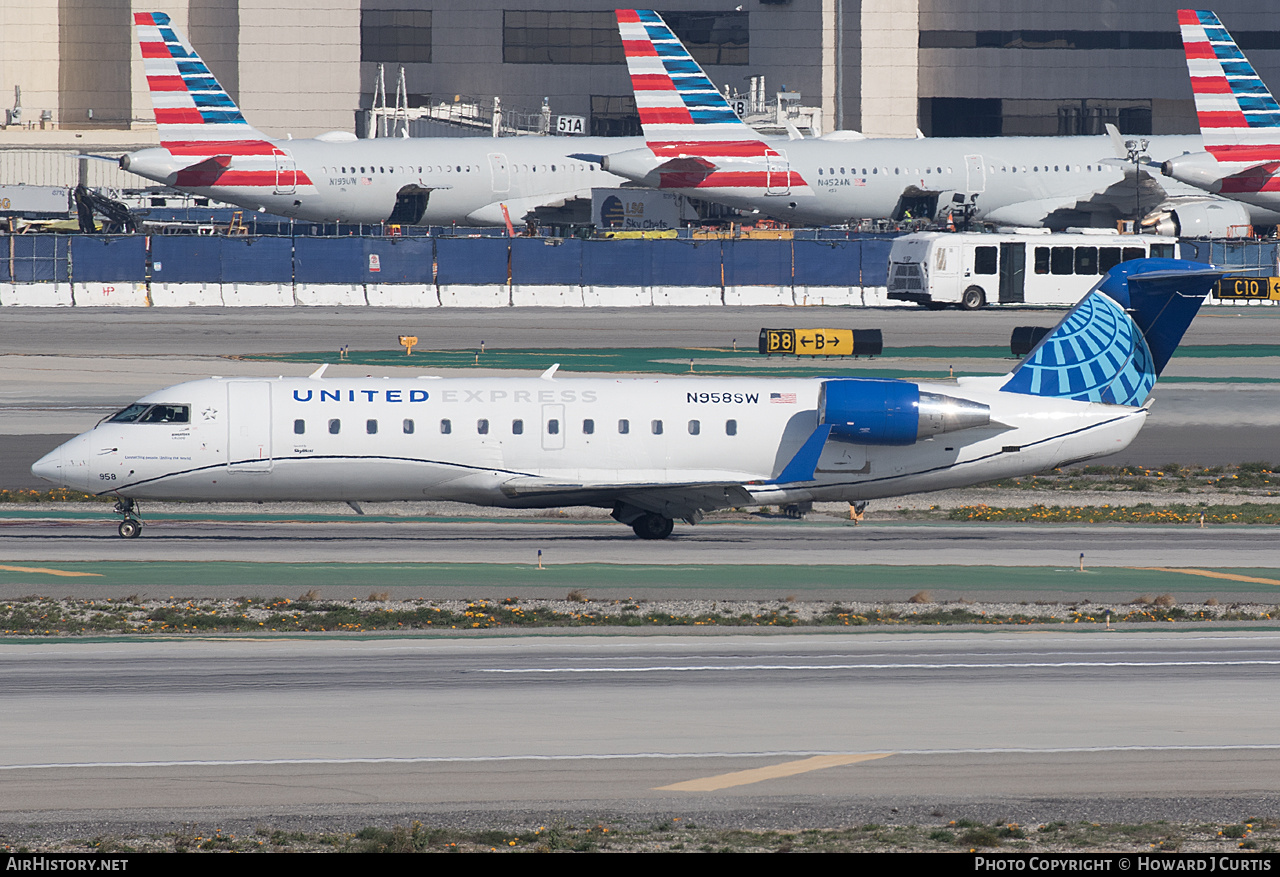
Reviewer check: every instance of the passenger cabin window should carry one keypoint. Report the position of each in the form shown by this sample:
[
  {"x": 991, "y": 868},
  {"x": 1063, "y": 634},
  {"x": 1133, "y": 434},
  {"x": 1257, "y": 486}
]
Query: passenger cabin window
[
  {"x": 1086, "y": 260},
  {"x": 517, "y": 427},
  {"x": 656, "y": 426},
  {"x": 731, "y": 427},
  {"x": 588, "y": 427},
  {"x": 1042, "y": 260},
  {"x": 553, "y": 427},
  {"x": 984, "y": 260},
  {"x": 408, "y": 427},
  {"x": 482, "y": 427},
  {"x": 299, "y": 427},
  {"x": 446, "y": 427},
  {"x": 335, "y": 427},
  {"x": 1063, "y": 261},
  {"x": 694, "y": 427},
  {"x": 371, "y": 427},
  {"x": 624, "y": 427}
]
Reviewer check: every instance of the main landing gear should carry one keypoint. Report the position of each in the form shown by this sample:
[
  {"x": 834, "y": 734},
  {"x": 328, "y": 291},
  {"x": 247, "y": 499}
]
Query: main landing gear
[
  {"x": 653, "y": 526},
  {"x": 130, "y": 527}
]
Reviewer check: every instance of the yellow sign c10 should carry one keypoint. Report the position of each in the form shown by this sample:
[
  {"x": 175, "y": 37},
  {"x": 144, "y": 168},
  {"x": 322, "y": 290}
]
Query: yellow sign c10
[
  {"x": 807, "y": 342},
  {"x": 1249, "y": 289}
]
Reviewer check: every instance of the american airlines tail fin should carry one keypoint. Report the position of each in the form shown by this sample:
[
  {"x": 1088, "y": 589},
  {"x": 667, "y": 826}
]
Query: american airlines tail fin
[
  {"x": 689, "y": 125},
  {"x": 1239, "y": 119},
  {"x": 194, "y": 113},
  {"x": 676, "y": 100},
  {"x": 1113, "y": 345}
]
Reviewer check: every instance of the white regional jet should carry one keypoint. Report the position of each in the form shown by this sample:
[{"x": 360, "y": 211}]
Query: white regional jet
[
  {"x": 697, "y": 146},
  {"x": 652, "y": 450},
  {"x": 1239, "y": 119},
  {"x": 207, "y": 148}
]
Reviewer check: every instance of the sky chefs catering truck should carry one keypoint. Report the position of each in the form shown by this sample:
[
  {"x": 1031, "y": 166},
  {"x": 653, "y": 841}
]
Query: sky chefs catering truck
[{"x": 1023, "y": 267}]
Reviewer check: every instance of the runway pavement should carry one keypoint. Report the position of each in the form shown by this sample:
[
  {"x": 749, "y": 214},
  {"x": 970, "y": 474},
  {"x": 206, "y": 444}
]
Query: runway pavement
[
  {"x": 762, "y": 730},
  {"x": 743, "y": 560}
]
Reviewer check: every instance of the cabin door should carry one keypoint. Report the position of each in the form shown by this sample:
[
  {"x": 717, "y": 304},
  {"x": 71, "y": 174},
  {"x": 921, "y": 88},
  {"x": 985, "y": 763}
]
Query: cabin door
[
  {"x": 286, "y": 173},
  {"x": 501, "y": 173},
  {"x": 1013, "y": 273},
  {"x": 249, "y": 425}
]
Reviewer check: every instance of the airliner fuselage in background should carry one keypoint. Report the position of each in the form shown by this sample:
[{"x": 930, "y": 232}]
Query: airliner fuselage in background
[
  {"x": 652, "y": 450},
  {"x": 418, "y": 181},
  {"x": 207, "y": 147},
  {"x": 696, "y": 145}
]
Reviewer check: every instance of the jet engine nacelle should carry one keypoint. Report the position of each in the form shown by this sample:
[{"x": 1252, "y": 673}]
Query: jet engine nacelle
[
  {"x": 1199, "y": 169},
  {"x": 875, "y": 412},
  {"x": 1203, "y": 219}
]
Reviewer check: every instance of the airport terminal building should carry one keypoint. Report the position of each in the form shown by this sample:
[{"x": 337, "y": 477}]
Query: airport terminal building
[{"x": 71, "y": 72}]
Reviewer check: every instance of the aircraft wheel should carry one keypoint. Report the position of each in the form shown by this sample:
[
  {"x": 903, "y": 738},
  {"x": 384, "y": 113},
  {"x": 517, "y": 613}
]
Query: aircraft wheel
[
  {"x": 130, "y": 529},
  {"x": 973, "y": 298},
  {"x": 653, "y": 526}
]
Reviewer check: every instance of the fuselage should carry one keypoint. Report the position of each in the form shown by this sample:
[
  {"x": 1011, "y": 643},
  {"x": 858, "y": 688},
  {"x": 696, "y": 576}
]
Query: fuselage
[
  {"x": 1024, "y": 181},
  {"x": 531, "y": 442},
  {"x": 439, "y": 181}
]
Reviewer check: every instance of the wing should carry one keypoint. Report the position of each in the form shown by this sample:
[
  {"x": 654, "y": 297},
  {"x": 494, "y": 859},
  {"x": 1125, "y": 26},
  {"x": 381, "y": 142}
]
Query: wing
[{"x": 685, "y": 500}]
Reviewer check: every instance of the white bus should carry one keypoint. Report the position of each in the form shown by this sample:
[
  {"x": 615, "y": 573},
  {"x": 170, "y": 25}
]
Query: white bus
[{"x": 1029, "y": 266}]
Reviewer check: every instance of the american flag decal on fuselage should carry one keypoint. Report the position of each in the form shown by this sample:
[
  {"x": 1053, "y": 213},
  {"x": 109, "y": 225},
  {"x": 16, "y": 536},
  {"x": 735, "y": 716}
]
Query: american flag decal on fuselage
[
  {"x": 198, "y": 121},
  {"x": 1239, "y": 119},
  {"x": 688, "y": 123}
]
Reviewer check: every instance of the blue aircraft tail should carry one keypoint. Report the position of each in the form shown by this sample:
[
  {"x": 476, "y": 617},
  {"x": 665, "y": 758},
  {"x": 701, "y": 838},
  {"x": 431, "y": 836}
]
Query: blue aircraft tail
[{"x": 1113, "y": 345}]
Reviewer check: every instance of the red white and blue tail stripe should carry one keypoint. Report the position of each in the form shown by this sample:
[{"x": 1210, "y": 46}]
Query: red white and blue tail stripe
[
  {"x": 200, "y": 125},
  {"x": 1239, "y": 119},
  {"x": 687, "y": 122},
  {"x": 191, "y": 107}
]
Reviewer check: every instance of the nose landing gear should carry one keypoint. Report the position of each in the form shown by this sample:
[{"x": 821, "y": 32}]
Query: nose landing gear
[{"x": 130, "y": 527}]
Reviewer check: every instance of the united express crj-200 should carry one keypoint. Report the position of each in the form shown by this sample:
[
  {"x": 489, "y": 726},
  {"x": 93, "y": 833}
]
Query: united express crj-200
[{"x": 652, "y": 450}]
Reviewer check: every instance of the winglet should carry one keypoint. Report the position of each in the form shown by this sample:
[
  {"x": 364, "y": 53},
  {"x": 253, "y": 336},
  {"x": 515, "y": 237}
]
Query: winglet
[
  {"x": 804, "y": 464},
  {"x": 318, "y": 373},
  {"x": 550, "y": 374}
]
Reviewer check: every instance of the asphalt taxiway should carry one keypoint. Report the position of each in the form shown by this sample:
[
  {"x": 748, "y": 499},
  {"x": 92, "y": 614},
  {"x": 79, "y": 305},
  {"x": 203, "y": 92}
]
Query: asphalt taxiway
[{"x": 785, "y": 728}]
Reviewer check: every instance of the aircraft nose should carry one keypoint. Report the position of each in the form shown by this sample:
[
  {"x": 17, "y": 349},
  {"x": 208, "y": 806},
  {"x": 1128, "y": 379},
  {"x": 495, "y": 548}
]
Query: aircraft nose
[{"x": 49, "y": 467}]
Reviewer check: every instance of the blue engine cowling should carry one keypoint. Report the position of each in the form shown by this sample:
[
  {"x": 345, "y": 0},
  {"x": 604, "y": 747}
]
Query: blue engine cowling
[{"x": 871, "y": 412}]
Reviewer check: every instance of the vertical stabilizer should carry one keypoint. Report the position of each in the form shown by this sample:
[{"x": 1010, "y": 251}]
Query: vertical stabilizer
[
  {"x": 193, "y": 111},
  {"x": 1113, "y": 345},
  {"x": 1239, "y": 119},
  {"x": 688, "y": 124}
]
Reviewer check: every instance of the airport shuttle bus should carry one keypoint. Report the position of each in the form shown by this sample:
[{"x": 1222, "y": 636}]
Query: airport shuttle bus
[{"x": 1026, "y": 267}]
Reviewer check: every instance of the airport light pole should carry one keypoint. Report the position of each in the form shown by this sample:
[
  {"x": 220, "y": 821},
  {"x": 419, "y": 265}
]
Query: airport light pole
[{"x": 1137, "y": 150}]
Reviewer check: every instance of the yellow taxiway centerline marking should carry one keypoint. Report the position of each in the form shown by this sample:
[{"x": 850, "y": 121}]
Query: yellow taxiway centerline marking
[
  {"x": 61, "y": 572},
  {"x": 1211, "y": 574},
  {"x": 760, "y": 774}
]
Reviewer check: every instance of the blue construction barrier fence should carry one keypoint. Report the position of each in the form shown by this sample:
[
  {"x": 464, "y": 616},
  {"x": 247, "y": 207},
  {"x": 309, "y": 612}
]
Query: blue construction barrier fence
[
  {"x": 480, "y": 260},
  {"x": 849, "y": 261}
]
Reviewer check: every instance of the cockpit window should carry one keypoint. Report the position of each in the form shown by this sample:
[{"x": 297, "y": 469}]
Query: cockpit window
[
  {"x": 129, "y": 415},
  {"x": 140, "y": 413}
]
